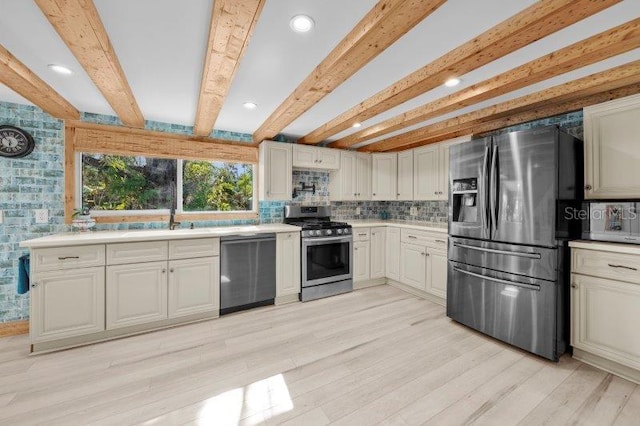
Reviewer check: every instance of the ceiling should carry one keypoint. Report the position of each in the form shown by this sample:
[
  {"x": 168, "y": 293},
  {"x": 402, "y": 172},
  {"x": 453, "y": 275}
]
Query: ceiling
[{"x": 161, "y": 46}]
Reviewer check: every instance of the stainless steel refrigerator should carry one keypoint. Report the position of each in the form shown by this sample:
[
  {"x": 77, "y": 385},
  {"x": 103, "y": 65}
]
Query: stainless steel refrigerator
[{"x": 510, "y": 199}]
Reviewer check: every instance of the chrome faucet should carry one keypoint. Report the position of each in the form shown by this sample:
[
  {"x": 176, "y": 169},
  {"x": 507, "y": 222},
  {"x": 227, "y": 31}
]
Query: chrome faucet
[{"x": 172, "y": 219}]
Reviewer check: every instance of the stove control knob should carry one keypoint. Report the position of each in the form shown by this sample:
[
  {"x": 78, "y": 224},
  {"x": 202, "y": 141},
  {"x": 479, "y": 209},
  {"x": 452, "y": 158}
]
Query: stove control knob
[
  {"x": 328, "y": 232},
  {"x": 316, "y": 233},
  {"x": 340, "y": 231},
  {"x": 346, "y": 231}
]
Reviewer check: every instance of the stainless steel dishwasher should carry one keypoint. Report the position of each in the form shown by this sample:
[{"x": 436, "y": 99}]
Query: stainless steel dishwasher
[{"x": 247, "y": 271}]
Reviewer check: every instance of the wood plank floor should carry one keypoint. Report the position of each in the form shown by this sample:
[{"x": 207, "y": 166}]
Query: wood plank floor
[{"x": 374, "y": 356}]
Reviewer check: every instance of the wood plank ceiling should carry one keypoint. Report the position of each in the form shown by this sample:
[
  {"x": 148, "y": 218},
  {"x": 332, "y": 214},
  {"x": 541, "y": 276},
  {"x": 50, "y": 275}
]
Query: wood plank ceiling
[{"x": 395, "y": 121}]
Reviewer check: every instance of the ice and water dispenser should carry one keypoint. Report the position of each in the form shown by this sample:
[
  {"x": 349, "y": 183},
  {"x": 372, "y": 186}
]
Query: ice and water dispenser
[{"x": 464, "y": 194}]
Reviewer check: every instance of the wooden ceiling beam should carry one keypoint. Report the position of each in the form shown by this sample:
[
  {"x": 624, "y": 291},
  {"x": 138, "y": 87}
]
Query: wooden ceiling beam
[
  {"x": 232, "y": 25},
  {"x": 545, "y": 111},
  {"x": 533, "y": 23},
  {"x": 613, "y": 78},
  {"x": 381, "y": 27},
  {"x": 80, "y": 27},
  {"x": 15, "y": 75},
  {"x": 607, "y": 44}
]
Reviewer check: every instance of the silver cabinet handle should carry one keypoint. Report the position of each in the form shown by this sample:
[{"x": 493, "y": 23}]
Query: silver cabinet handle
[
  {"x": 423, "y": 254},
  {"x": 374, "y": 193},
  {"x": 440, "y": 241},
  {"x": 355, "y": 248},
  {"x": 362, "y": 235},
  {"x": 171, "y": 270},
  {"x": 68, "y": 257},
  {"x": 588, "y": 187},
  {"x": 413, "y": 236},
  {"x": 505, "y": 252},
  {"x": 574, "y": 285},
  {"x": 289, "y": 236},
  {"x": 623, "y": 267},
  {"x": 398, "y": 194},
  {"x": 498, "y": 280}
]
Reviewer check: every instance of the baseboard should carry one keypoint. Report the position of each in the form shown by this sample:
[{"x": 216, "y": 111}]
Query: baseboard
[
  {"x": 14, "y": 328},
  {"x": 357, "y": 285},
  {"x": 289, "y": 298},
  {"x": 607, "y": 365},
  {"x": 430, "y": 297}
]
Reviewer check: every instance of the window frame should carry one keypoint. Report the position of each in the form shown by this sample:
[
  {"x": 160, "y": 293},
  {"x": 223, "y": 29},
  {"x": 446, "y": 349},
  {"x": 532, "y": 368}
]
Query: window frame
[{"x": 186, "y": 215}]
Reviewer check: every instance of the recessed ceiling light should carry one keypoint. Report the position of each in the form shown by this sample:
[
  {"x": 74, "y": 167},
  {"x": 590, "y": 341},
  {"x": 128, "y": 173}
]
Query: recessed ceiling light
[
  {"x": 452, "y": 82},
  {"x": 60, "y": 69},
  {"x": 250, "y": 105},
  {"x": 356, "y": 125},
  {"x": 301, "y": 23}
]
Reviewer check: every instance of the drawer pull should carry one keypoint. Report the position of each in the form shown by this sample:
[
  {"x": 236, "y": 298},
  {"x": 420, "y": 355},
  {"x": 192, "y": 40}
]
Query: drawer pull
[
  {"x": 362, "y": 235},
  {"x": 623, "y": 267},
  {"x": 68, "y": 257},
  {"x": 440, "y": 241},
  {"x": 413, "y": 236}
]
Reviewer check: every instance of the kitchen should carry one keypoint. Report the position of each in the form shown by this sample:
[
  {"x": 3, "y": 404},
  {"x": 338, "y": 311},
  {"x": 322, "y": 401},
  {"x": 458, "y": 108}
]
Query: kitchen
[{"x": 319, "y": 160}]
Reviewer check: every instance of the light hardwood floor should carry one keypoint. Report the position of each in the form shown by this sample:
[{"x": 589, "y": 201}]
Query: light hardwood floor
[{"x": 377, "y": 355}]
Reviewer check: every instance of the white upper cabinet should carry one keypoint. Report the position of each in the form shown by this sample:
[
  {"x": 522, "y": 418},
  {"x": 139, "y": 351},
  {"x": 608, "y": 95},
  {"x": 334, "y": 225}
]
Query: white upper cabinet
[
  {"x": 275, "y": 171},
  {"x": 405, "y": 175},
  {"x": 425, "y": 173},
  {"x": 443, "y": 173},
  {"x": 353, "y": 180},
  {"x": 384, "y": 184},
  {"x": 311, "y": 157},
  {"x": 612, "y": 157}
]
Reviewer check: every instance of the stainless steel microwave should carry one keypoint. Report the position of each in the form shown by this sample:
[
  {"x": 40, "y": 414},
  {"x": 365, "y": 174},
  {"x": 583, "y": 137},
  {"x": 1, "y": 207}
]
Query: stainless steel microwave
[{"x": 614, "y": 221}]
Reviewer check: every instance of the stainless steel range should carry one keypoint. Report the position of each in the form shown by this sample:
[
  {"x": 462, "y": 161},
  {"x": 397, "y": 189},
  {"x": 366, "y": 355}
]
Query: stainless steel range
[{"x": 327, "y": 249}]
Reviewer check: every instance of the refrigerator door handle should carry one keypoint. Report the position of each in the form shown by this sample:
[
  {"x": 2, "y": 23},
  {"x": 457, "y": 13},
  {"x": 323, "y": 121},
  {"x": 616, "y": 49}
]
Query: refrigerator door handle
[
  {"x": 486, "y": 184},
  {"x": 493, "y": 188},
  {"x": 495, "y": 251},
  {"x": 498, "y": 280}
]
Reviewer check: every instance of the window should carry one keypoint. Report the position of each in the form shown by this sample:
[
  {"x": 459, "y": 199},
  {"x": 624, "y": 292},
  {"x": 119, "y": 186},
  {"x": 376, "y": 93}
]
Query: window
[{"x": 135, "y": 184}]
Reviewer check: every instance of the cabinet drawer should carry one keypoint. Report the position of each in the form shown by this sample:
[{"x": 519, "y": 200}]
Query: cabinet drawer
[
  {"x": 413, "y": 236},
  {"x": 619, "y": 266},
  {"x": 192, "y": 248},
  {"x": 148, "y": 251},
  {"x": 51, "y": 259},
  {"x": 361, "y": 234}
]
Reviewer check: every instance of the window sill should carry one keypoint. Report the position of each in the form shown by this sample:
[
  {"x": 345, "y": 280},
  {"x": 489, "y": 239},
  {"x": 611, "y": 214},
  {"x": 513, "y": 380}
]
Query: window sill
[{"x": 186, "y": 217}]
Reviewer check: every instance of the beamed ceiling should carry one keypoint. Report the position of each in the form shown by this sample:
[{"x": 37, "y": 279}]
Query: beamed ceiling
[{"x": 381, "y": 64}]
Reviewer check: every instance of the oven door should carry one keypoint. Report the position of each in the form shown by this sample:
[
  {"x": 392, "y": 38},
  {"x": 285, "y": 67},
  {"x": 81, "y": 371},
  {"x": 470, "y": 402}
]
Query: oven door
[{"x": 326, "y": 260}]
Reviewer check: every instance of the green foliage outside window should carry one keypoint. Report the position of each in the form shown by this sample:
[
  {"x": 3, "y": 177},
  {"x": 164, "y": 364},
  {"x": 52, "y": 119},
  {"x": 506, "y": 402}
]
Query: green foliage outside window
[{"x": 214, "y": 186}]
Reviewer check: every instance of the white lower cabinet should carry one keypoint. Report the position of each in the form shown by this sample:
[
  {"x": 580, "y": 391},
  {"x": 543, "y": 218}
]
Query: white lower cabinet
[
  {"x": 136, "y": 294},
  {"x": 361, "y": 261},
  {"x": 413, "y": 265},
  {"x": 605, "y": 317},
  {"x": 287, "y": 264},
  {"x": 392, "y": 259},
  {"x": 194, "y": 286},
  {"x": 67, "y": 303},
  {"x": 437, "y": 272},
  {"x": 377, "y": 256}
]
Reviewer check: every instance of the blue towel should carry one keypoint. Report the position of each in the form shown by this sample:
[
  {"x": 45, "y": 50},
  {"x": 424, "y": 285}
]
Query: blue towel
[{"x": 23, "y": 274}]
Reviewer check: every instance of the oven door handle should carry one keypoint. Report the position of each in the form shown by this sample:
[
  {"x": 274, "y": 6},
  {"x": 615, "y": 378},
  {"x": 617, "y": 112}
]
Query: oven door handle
[{"x": 328, "y": 239}]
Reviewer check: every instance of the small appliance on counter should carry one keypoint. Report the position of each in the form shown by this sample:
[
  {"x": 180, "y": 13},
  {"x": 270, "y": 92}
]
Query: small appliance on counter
[
  {"x": 614, "y": 221},
  {"x": 326, "y": 252}
]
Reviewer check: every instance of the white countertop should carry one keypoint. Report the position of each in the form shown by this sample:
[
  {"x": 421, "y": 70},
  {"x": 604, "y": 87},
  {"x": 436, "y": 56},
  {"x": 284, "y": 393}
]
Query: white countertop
[
  {"x": 102, "y": 237},
  {"x": 605, "y": 246},
  {"x": 423, "y": 226}
]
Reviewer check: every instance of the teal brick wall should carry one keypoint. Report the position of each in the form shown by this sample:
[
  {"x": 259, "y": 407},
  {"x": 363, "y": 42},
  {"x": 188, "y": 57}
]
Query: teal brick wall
[{"x": 37, "y": 182}]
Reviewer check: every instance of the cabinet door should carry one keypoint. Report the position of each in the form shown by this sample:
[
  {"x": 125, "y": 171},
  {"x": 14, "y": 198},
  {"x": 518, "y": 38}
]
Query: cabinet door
[
  {"x": 392, "y": 255},
  {"x": 194, "y": 286},
  {"x": 287, "y": 263},
  {"x": 605, "y": 318},
  {"x": 305, "y": 157},
  {"x": 405, "y": 175},
  {"x": 329, "y": 159},
  {"x": 67, "y": 303},
  {"x": 425, "y": 173},
  {"x": 361, "y": 258},
  {"x": 443, "y": 172},
  {"x": 413, "y": 265},
  {"x": 276, "y": 171},
  {"x": 384, "y": 180},
  {"x": 363, "y": 180},
  {"x": 136, "y": 294},
  {"x": 378, "y": 248},
  {"x": 437, "y": 272},
  {"x": 612, "y": 158},
  {"x": 348, "y": 175}
]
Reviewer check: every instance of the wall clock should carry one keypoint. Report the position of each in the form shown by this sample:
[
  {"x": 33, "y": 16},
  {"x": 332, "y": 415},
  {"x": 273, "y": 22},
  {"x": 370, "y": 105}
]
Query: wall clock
[{"x": 15, "y": 142}]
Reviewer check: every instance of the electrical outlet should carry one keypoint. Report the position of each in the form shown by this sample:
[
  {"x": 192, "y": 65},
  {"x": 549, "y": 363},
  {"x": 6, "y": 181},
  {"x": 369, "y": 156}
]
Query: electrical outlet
[
  {"x": 357, "y": 211},
  {"x": 413, "y": 211},
  {"x": 42, "y": 215}
]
